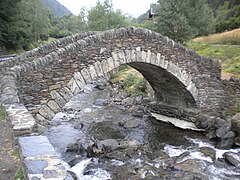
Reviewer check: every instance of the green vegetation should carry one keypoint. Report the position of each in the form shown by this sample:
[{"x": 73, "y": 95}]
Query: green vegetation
[
  {"x": 27, "y": 24},
  {"x": 229, "y": 55},
  {"x": 103, "y": 17},
  {"x": 184, "y": 19},
  {"x": 19, "y": 174},
  {"x": 134, "y": 85},
  {"x": 2, "y": 114},
  {"x": 226, "y": 38},
  {"x": 133, "y": 81}
]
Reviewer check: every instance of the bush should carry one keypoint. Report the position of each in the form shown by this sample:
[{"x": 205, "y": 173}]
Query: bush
[{"x": 134, "y": 85}]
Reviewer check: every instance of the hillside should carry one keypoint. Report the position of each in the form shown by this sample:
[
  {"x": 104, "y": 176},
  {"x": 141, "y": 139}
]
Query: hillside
[
  {"x": 224, "y": 47},
  {"x": 57, "y": 8}
]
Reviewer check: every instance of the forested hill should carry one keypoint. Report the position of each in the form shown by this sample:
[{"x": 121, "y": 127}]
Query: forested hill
[{"x": 57, "y": 8}]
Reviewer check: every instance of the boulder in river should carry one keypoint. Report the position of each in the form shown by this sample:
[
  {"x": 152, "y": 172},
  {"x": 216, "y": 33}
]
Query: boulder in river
[
  {"x": 232, "y": 158},
  {"x": 133, "y": 123},
  {"x": 227, "y": 141},
  {"x": 192, "y": 167},
  {"x": 101, "y": 102},
  {"x": 76, "y": 147},
  {"x": 101, "y": 147},
  {"x": 208, "y": 151}
]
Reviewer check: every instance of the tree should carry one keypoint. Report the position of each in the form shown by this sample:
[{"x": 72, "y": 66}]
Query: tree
[
  {"x": 8, "y": 9},
  {"x": 36, "y": 17},
  {"x": 228, "y": 16},
  {"x": 103, "y": 17},
  {"x": 184, "y": 19}
]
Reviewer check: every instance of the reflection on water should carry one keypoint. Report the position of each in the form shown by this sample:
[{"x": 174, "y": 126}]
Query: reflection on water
[{"x": 161, "y": 151}]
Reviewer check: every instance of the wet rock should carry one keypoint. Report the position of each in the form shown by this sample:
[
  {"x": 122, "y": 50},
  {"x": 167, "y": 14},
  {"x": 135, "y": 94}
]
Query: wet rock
[
  {"x": 101, "y": 102},
  {"x": 128, "y": 143},
  {"x": 219, "y": 122},
  {"x": 158, "y": 156},
  {"x": 208, "y": 151},
  {"x": 79, "y": 125},
  {"x": 89, "y": 87},
  {"x": 232, "y": 158},
  {"x": 236, "y": 123},
  {"x": 121, "y": 123},
  {"x": 106, "y": 130},
  {"x": 71, "y": 176},
  {"x": 203, "y": 122},
  {"x": 76, "y": 147},
  {"x": 191, "y": 166},
  {"x": 211, "y": 134},
  {"x": 138, "y": 100},
  {"x": 101, "y": 147},
  {"x": 138, "y": 112},
  {"x": 227, "y": 141},
  {"x": 128, "y": 101},
  {"x": 237, "y": 141},
  {"x": 133, "y": 123},
  {"x": 75, "y": 161},
  {"x": 68, "y": 109},
  {"x": 101, "y": 85},
  {"x": 182, "y": 156},
  {"x": 108, "y": 144},
  {"x": 220, "y": 132}
]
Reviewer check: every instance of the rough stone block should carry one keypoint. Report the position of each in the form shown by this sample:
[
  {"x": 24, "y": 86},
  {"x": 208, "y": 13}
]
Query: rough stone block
[
  {"x": 132, "y": 56},
  {"x": 79, "y": 79},
  {"x": 86, "y": 75},
  {"x": 46, "y": 112},
  {"x": 115, "y": 59},
  {"x": 112, "y": 64},
  {"x": 54, "y": 87},
  {"x": 128, "y": 56},
  {"x": 66, "y": 93},
  {"x": 98, "y": 68},
  {"x": 58, "y": 98},
  {"x": 92, "y": 72},
  {"x": 121, "y": 57},
  {"x": 21, "y": 120},
  {"x": 54, "y": 106},
  {"x": 73, "y": 86}
]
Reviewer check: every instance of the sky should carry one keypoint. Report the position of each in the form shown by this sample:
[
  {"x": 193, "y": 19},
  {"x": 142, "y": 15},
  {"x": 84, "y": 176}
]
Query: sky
[{"x": 134, "y": 8}]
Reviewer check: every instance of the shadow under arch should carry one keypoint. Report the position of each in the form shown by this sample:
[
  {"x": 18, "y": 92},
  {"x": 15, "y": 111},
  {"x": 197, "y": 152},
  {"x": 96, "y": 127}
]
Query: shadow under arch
[{"x": 168, "y": 88}]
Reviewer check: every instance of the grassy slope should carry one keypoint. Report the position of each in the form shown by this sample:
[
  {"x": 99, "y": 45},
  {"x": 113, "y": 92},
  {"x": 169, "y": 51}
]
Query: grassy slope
[{"x": 224, "y": 47}]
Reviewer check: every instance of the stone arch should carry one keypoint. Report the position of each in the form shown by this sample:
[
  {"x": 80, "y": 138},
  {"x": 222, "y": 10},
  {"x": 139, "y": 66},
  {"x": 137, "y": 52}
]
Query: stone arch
[{"x": 63, "y": 70}]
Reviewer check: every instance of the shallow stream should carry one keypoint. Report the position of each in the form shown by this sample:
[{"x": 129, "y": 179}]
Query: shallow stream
[{"x": 99, "y": 136}]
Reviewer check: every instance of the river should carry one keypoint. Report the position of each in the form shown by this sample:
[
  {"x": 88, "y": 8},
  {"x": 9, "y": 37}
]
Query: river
[{"x": 104, "y": 134}]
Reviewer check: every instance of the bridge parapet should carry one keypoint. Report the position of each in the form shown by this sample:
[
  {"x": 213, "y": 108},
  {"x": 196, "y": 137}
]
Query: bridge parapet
[{"x": 41, "y": 51}]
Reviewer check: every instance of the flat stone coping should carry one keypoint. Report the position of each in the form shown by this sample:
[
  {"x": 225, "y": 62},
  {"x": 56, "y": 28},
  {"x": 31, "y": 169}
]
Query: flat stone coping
[
  {"x": 176, "y": 122},
  {"x": 21, "y": 120},
  {"x": 40, "y": 159}
]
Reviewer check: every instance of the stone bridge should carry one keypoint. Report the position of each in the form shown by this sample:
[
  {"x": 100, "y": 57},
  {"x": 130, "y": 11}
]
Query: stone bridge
[{"x": 37, "y": 84}]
